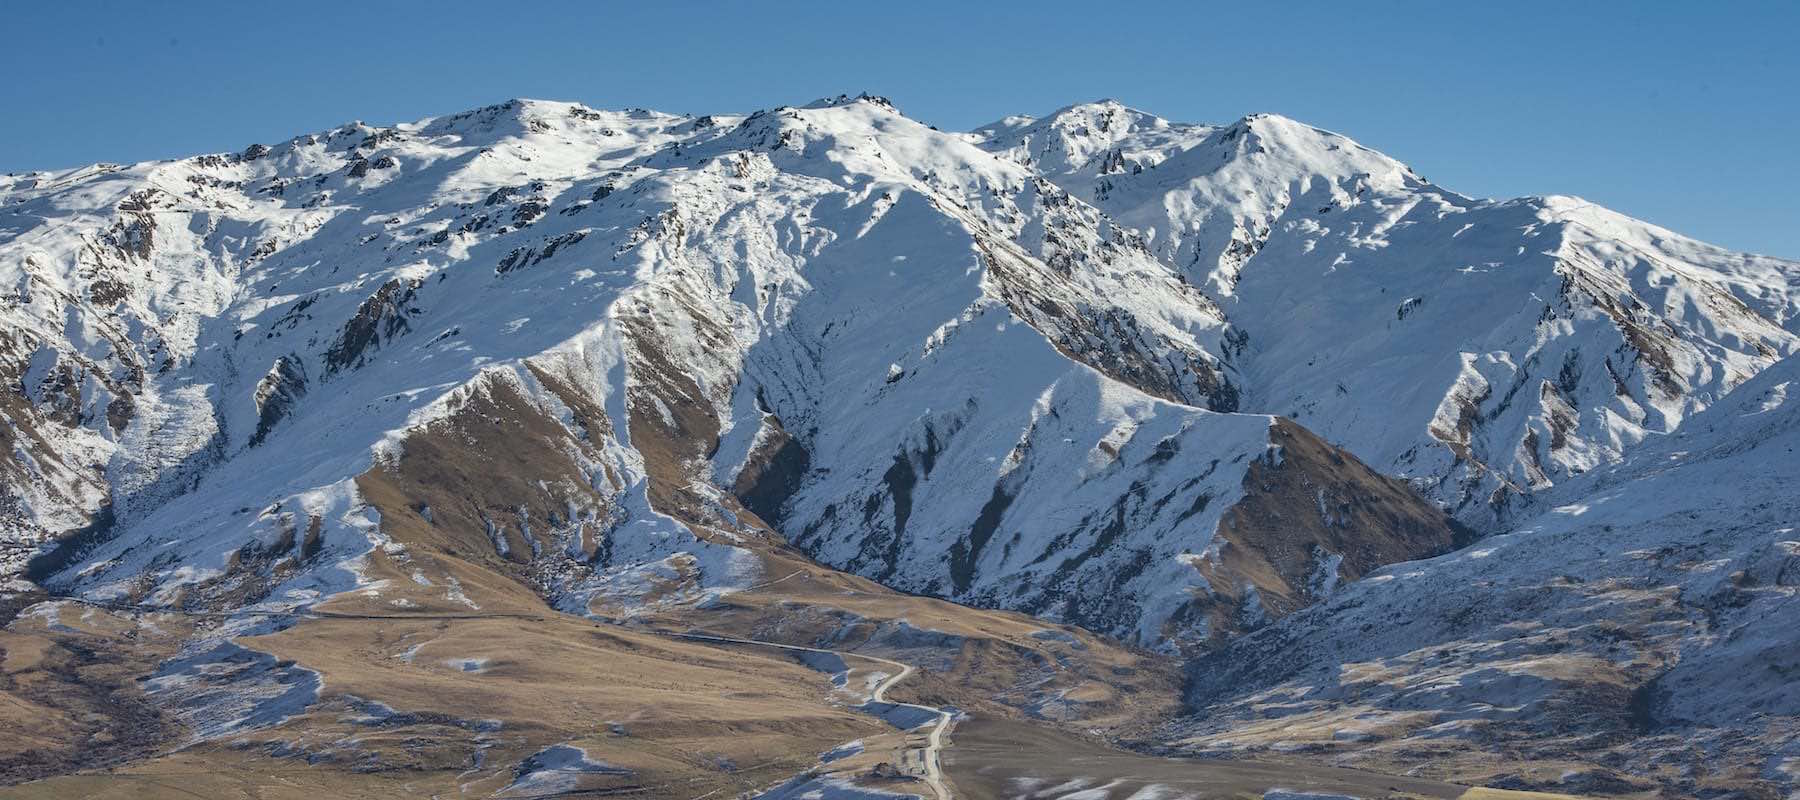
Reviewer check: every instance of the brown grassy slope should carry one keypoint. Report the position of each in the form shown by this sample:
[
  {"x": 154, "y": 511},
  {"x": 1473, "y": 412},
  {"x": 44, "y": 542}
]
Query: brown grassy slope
[
  {"x": 1313, "y": 499},
  {"x": 68, "y": 690},
  {"x": 680, "y": 717}
]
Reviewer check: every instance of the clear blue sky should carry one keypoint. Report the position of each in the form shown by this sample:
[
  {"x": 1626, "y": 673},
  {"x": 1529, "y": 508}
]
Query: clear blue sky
[{"x": 1685, "y": 114}]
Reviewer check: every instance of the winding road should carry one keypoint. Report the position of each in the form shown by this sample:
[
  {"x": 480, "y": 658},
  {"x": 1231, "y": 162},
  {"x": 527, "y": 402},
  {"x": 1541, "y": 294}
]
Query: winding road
[{"x": 934, "y": 774}]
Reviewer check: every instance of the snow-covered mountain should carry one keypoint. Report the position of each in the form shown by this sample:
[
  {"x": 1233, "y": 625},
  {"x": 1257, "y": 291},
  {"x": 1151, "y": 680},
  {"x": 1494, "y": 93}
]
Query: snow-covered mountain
[
  {"x": 1482, "y": 348},
  {"x": 1099, "y": 367}
]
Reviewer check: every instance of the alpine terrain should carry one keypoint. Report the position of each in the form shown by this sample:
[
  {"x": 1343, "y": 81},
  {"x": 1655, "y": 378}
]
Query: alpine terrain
[{"x": 540, "y": 450}]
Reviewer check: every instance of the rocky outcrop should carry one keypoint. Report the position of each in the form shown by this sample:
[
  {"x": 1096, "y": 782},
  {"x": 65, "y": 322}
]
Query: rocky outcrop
[
  {"x": 276, "y": 395},
  {"x": 384, "y": 315}
]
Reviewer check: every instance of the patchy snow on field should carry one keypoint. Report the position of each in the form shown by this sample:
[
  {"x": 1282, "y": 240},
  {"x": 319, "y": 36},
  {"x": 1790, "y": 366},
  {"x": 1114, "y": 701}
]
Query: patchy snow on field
[
  {"x": 813, "y": 787},
  {"x": 557, "y": 769},
  {"x": 219, "y": 688}
]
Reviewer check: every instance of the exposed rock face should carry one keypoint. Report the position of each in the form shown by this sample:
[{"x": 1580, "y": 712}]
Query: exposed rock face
[
  {"x": 383, "y": 316},
  {"x": 773, "y": 472},
  {"x": 1086, "y": 325},
  {"x": 276, "y": 395}
]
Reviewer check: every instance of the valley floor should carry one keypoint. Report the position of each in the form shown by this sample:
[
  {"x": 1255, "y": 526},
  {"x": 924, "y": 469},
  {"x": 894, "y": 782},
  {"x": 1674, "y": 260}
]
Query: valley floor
[{"x": 352, "y": 700}]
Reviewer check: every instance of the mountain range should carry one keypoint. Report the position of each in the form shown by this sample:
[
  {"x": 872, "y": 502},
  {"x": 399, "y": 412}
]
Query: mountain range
[{"x": 1377, "y": 474}]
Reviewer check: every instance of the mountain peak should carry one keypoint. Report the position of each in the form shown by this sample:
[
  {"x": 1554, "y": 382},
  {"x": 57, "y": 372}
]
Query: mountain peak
[
  {"x": 848, "y": 100},
  {"x": 1104, "y": 114}
]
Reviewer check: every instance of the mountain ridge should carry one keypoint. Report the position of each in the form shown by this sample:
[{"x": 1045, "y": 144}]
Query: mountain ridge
[{"x": 1097, "y": 264}]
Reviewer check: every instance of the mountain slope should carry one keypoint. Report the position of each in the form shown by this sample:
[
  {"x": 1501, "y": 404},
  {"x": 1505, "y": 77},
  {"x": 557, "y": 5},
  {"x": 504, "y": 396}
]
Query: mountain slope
[{"x": 1637, "y": 632}]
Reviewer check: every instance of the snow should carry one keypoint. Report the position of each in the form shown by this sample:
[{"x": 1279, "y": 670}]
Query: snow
[
  {"x": 556, "y": 769},
  {"x": 813, "y": 787},
  {"x": 1311, "y": 242},
  {"x": 842, "y": 751},
  {"x": 219, "y": 688}
]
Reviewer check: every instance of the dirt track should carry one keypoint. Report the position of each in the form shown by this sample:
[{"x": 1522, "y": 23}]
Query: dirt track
[{"x": 931, "y": 755}]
